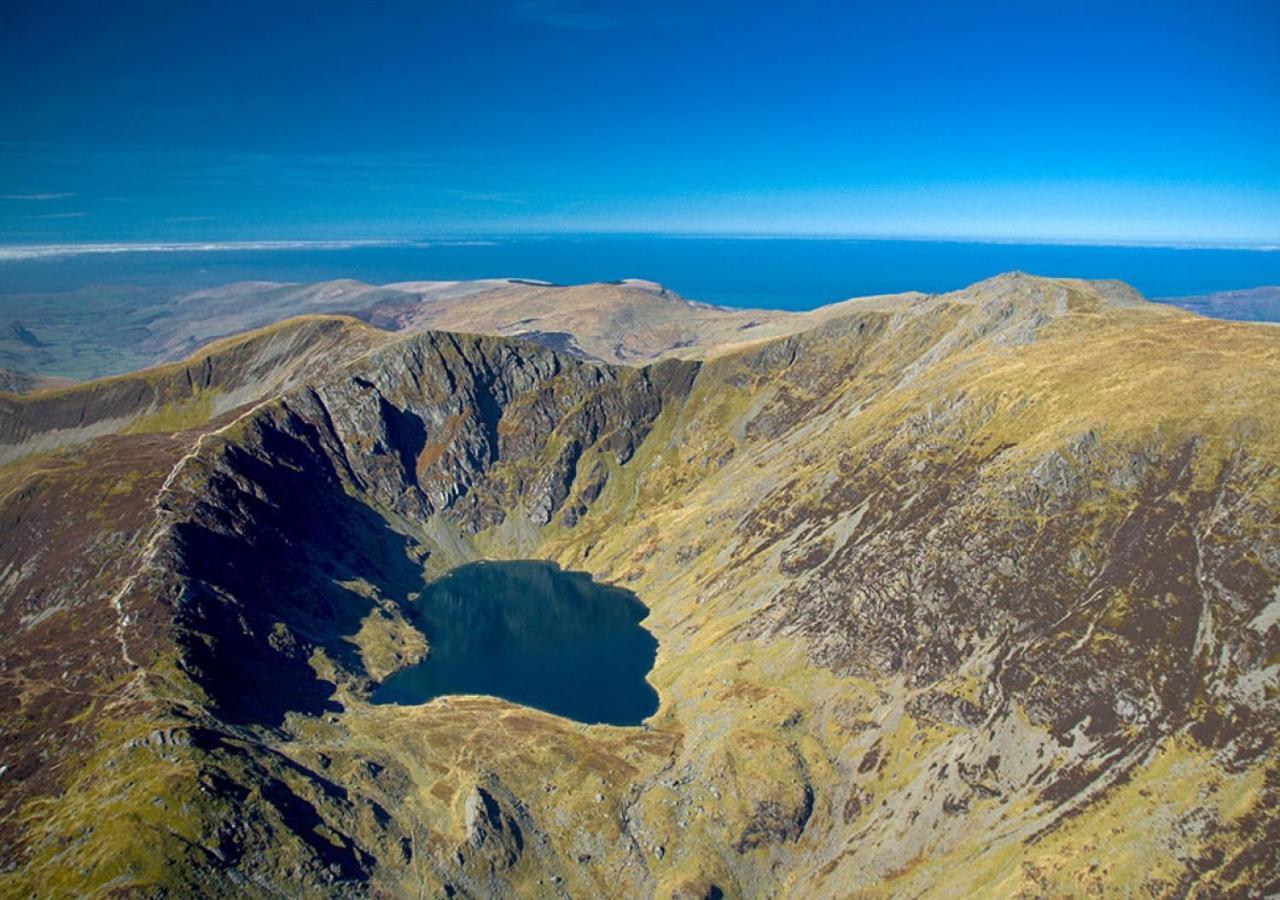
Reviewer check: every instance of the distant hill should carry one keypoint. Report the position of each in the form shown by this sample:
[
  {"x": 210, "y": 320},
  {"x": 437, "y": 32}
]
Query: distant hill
[
  {"x": 97, "y": 332},
  {"x": 100, "y": 331},
  {"x": 23, "y": 382},
  {"x": 1260, "y": 304}
]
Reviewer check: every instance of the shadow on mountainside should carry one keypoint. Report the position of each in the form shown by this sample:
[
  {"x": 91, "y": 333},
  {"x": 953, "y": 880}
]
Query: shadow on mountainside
[{"x": 267, "y": 555}]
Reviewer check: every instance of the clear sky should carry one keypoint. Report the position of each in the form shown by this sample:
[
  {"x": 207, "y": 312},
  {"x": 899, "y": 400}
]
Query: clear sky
[{"x": 174, "y": 120}]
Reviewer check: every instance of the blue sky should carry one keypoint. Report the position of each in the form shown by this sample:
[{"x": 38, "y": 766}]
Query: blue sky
[{"x": 266, "y": 121}]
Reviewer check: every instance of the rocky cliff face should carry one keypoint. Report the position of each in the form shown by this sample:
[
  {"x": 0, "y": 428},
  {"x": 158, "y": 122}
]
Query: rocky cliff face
[
  {"x": 972, "y": 593},
  {"x": 322, "y": 499}
]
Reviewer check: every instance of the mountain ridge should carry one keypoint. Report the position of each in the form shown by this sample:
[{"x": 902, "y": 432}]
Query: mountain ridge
[
  {"x": 948, "y": 591},
  {"x": 113, "y": 330}
]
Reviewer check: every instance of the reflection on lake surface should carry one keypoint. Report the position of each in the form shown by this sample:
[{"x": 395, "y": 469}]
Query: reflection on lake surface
[{"x": 534, "y": 634}]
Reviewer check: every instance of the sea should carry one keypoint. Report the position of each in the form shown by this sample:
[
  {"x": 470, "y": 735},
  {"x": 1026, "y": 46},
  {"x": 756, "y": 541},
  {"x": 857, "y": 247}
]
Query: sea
[{"x": 781, "y": 273}]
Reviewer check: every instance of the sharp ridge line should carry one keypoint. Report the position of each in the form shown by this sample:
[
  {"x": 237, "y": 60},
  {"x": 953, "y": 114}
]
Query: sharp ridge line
[{"x": 160, "y": 528}]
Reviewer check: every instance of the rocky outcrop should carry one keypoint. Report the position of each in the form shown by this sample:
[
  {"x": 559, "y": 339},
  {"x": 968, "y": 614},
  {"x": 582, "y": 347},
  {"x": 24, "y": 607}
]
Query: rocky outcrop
[
  {"x": 491, "y": 831},
  {"x": 775, "y": 822}
]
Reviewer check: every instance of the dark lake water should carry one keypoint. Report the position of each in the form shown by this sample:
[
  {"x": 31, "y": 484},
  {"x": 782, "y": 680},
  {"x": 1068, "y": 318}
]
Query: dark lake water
[{"x": 534, "y": 634}]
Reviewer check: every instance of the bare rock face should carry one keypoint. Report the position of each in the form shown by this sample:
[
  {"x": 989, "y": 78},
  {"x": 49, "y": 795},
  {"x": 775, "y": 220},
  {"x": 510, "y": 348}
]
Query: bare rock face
[
  {"x": 776, "y": 821},
  {"x": 490, "y": 830}
]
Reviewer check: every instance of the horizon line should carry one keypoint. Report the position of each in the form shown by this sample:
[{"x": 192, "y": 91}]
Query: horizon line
[{"x": 21, "y": 252}]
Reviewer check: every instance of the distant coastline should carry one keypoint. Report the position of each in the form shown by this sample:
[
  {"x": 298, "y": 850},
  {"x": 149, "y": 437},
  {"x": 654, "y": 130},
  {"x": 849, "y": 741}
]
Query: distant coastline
[
  {"x": 26, "y": 251},
  {"x": 774, "y": 271}
]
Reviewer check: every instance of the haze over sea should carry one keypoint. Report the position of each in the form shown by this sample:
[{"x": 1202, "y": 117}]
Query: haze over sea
[{"x": 784, "y": 272}]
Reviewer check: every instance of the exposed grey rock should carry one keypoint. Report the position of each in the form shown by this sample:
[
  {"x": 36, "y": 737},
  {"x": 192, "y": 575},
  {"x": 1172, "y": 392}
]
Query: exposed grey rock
[{"x": 490, "y": 831}]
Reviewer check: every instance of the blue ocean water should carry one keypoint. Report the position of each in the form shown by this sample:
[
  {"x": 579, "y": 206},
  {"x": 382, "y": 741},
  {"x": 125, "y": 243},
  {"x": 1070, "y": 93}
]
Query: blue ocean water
[{"x": 783, "y": 273}]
